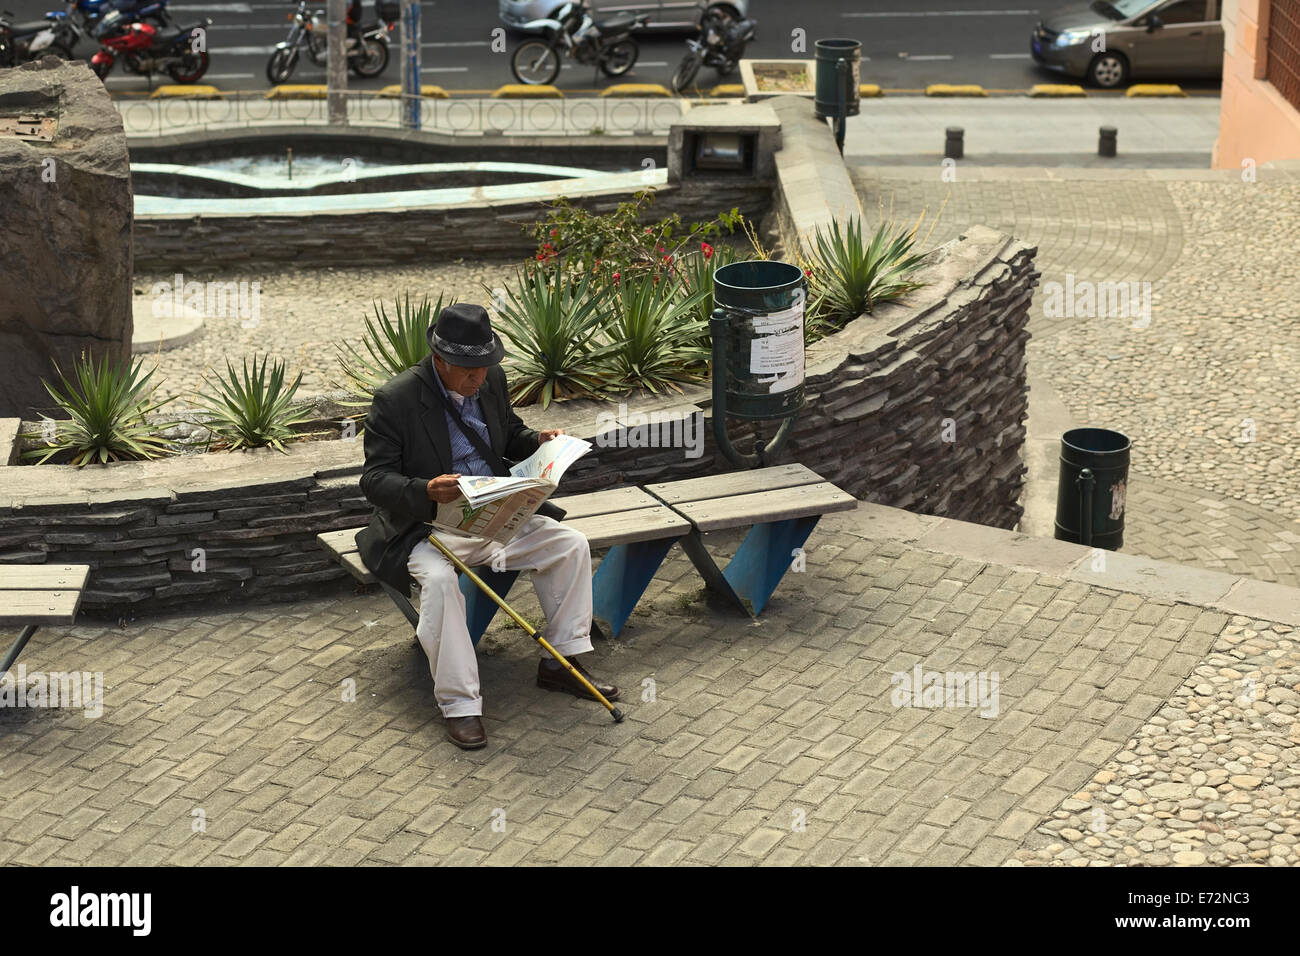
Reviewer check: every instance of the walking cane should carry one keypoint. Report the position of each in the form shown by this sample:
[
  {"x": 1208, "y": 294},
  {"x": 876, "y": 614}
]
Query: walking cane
[{"x": 460, "y": 566}]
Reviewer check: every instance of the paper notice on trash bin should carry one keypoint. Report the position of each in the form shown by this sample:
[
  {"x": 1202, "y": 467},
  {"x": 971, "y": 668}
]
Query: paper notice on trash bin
[{"x": 777, "y": 349}]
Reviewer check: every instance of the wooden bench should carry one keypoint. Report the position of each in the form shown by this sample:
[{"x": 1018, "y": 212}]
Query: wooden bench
[
  {"x": 780, "y": 505},
  {"x": 637, "y": 529},
  {"x": 36, "y": 594}
]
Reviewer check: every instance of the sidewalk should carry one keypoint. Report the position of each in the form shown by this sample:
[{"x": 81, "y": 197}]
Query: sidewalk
[
  {"x": 1037, "y": 132},
  {"x": 780, "y": 742},
  {"x": 1219, "y": 352}
]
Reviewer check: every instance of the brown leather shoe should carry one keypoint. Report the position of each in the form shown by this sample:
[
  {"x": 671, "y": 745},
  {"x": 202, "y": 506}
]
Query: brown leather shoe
[
  {"x": 551, "y": 675},
  {"x": 466, "y": 732}
]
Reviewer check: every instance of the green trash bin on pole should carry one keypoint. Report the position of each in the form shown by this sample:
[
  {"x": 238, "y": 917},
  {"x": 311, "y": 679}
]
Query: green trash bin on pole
[
  {"x": 830, "y": 81},
  {"x": 1093, "y": 486}
]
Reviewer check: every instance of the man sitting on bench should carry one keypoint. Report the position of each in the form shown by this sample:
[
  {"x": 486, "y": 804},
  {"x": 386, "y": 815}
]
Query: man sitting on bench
[{"x": 446, "y": 417}]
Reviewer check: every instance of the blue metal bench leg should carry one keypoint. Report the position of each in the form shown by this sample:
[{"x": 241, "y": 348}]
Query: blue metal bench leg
[
  {"x": 765, "y": 556},
  {"x": 17, "y": 647},
  {"x": 623, "y": 575},
  {"x": 758, "y": 565},
  {"x": 479, "y": 608}
]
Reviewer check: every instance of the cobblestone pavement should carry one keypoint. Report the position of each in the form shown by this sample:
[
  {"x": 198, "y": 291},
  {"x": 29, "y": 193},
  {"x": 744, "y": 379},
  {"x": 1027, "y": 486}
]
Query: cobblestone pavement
[
  {"x": 1210, "y": 391},
  {"x": 1212, "y": 779},
  {"x": 771, "y": 743}
]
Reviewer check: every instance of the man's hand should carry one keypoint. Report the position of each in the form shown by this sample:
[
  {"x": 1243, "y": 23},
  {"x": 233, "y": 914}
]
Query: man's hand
[
  {"x": 443, "y": 489},
  {"x": 548, "y": 434}
]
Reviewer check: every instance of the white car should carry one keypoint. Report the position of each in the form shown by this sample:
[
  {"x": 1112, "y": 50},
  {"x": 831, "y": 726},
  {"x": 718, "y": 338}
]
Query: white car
[{"x": 663, "y": 14}]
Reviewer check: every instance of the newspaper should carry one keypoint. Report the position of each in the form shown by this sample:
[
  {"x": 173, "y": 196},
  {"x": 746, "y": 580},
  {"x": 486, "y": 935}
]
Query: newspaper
[{"x": 496, "y": 508}]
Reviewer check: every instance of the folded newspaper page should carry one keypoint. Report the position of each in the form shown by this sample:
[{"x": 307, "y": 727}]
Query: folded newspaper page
[{"x": 496, "y": 508}]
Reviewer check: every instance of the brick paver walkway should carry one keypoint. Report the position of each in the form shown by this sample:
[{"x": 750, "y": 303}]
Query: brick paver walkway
[{"x": 774, "y": 742}]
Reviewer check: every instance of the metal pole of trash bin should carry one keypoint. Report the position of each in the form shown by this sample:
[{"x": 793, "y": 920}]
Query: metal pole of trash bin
[
  {"x": 1087, "y": 483},
  {"x": 842, "y": 101}
]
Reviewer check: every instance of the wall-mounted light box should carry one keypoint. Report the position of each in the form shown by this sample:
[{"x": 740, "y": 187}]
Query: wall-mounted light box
[{"x": 711, "y": 153}]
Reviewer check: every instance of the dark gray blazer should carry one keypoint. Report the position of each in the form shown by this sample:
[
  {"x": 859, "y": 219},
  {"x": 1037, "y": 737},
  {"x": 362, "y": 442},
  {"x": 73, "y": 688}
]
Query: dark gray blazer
[{"x": 407, "y": 444}]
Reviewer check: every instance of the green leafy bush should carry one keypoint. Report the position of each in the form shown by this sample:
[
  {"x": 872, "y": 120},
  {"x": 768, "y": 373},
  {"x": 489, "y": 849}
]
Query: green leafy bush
[
  {"x": 256, "y": 408},
  {"x": 621, "y": 241},
  {"x": 106, "y": 407},
  {"x": 553, "y": 323}
]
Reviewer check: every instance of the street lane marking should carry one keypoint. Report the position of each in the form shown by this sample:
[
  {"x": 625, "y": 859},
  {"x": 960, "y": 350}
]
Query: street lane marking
[
  {"x": 217, "y": 7},
  {"x": 242, "y": 50},
  {"x": 427, "y": 46},
  {"x": 1009, "y": 56},
  {"x": 942, "y": 13},
  {"x": 444, "y": 69},
  {"x": 937, "y": 56}
]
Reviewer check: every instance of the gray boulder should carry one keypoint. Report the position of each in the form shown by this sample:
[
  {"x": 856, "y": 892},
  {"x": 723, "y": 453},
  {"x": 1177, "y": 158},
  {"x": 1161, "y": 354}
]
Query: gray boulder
[{"x": 65, "y": 240}]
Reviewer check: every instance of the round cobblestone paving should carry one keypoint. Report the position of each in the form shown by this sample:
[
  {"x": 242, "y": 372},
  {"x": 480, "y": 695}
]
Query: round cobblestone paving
[{"x": 1212, "y": 779}]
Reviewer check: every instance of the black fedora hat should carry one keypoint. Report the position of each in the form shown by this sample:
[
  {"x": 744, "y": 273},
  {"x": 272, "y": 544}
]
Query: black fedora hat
[{"x": 463, "y": 336}]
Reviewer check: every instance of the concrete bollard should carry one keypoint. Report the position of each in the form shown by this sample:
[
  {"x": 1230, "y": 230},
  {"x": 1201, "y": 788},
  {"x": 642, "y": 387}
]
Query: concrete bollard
[
  {"x": 952, "y": 145},
  {"x": 1106, "y": 142}
]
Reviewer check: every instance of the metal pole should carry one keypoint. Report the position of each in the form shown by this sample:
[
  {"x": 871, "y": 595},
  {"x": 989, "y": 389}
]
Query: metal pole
[
  {"x": 842, "y": 76},
  {"x": 411, "y": 101},
  {"x": 1087, "y": 480},
  {"x": 17, "y": 647},
  {"x": 337, "y": 64}
]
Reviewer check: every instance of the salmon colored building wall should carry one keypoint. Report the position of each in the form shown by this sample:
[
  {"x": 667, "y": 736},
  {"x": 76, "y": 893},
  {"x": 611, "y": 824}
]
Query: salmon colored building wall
[{"x": 1255, "y": 122}]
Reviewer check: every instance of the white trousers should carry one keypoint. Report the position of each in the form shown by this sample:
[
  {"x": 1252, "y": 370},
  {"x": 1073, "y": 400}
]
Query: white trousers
[{"x": 560, "y": 561}]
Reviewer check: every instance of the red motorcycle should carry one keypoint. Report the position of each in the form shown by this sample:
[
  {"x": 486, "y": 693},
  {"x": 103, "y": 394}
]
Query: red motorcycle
[{"x": 146, "y": 49}]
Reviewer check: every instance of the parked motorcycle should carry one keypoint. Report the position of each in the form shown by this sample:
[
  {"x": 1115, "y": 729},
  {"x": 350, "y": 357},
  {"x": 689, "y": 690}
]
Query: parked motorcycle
[
  {"x": 367, "y": 53},
  {"x": 146, "y": 49},
  {"x": 89, "y": 13},
  {"x": 57, "y": 34},
  {"x": 572, "y": 33},
  {"x": 721, "y": 45}
]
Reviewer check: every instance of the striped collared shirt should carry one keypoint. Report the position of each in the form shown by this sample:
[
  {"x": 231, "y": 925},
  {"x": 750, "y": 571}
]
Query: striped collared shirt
[{"x": 464, "y": 459}]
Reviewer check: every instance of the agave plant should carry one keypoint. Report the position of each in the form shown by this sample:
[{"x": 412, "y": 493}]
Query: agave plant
[
  {"x": 660, "y": 334},
  {"x": 256, "y": 408},
  {"x": 390, "y": 345},
  {"x": 852, "y": 276},
  {"x": 106, "y": 407},
  {"x": 553, "y": 324}
]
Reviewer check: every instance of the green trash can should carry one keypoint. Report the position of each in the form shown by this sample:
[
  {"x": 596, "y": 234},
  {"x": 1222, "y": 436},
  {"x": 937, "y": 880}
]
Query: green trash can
[
  {"x": 757, "y": 331},
  {"x": 828, "y": 78},
  {"x": 1093, "y": 486}
]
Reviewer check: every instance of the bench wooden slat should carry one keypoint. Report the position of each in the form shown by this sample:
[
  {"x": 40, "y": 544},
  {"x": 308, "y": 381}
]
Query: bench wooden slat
[
  {"x": 645, "y": 524},
  {"x": 358, "y": 570},
  {"x": 37, "y": 577},
  {"x": 733, "y": 483},
  {"x": 39, "y": 607},
  {"x": 610, "y": 501},
  {"x": 339, "y": 543},
  {"x": 762, "y": 507}
]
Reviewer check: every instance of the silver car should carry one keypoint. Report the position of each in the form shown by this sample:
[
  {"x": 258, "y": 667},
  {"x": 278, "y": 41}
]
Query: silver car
[
  {"x": 1110, "y": 43},
  {"x": 663, "y": 14}
]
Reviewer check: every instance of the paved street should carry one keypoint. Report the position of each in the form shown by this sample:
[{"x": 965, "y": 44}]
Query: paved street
[
  {"x": 225, "y": 739},
  {"x": 905, "y": 45}
]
